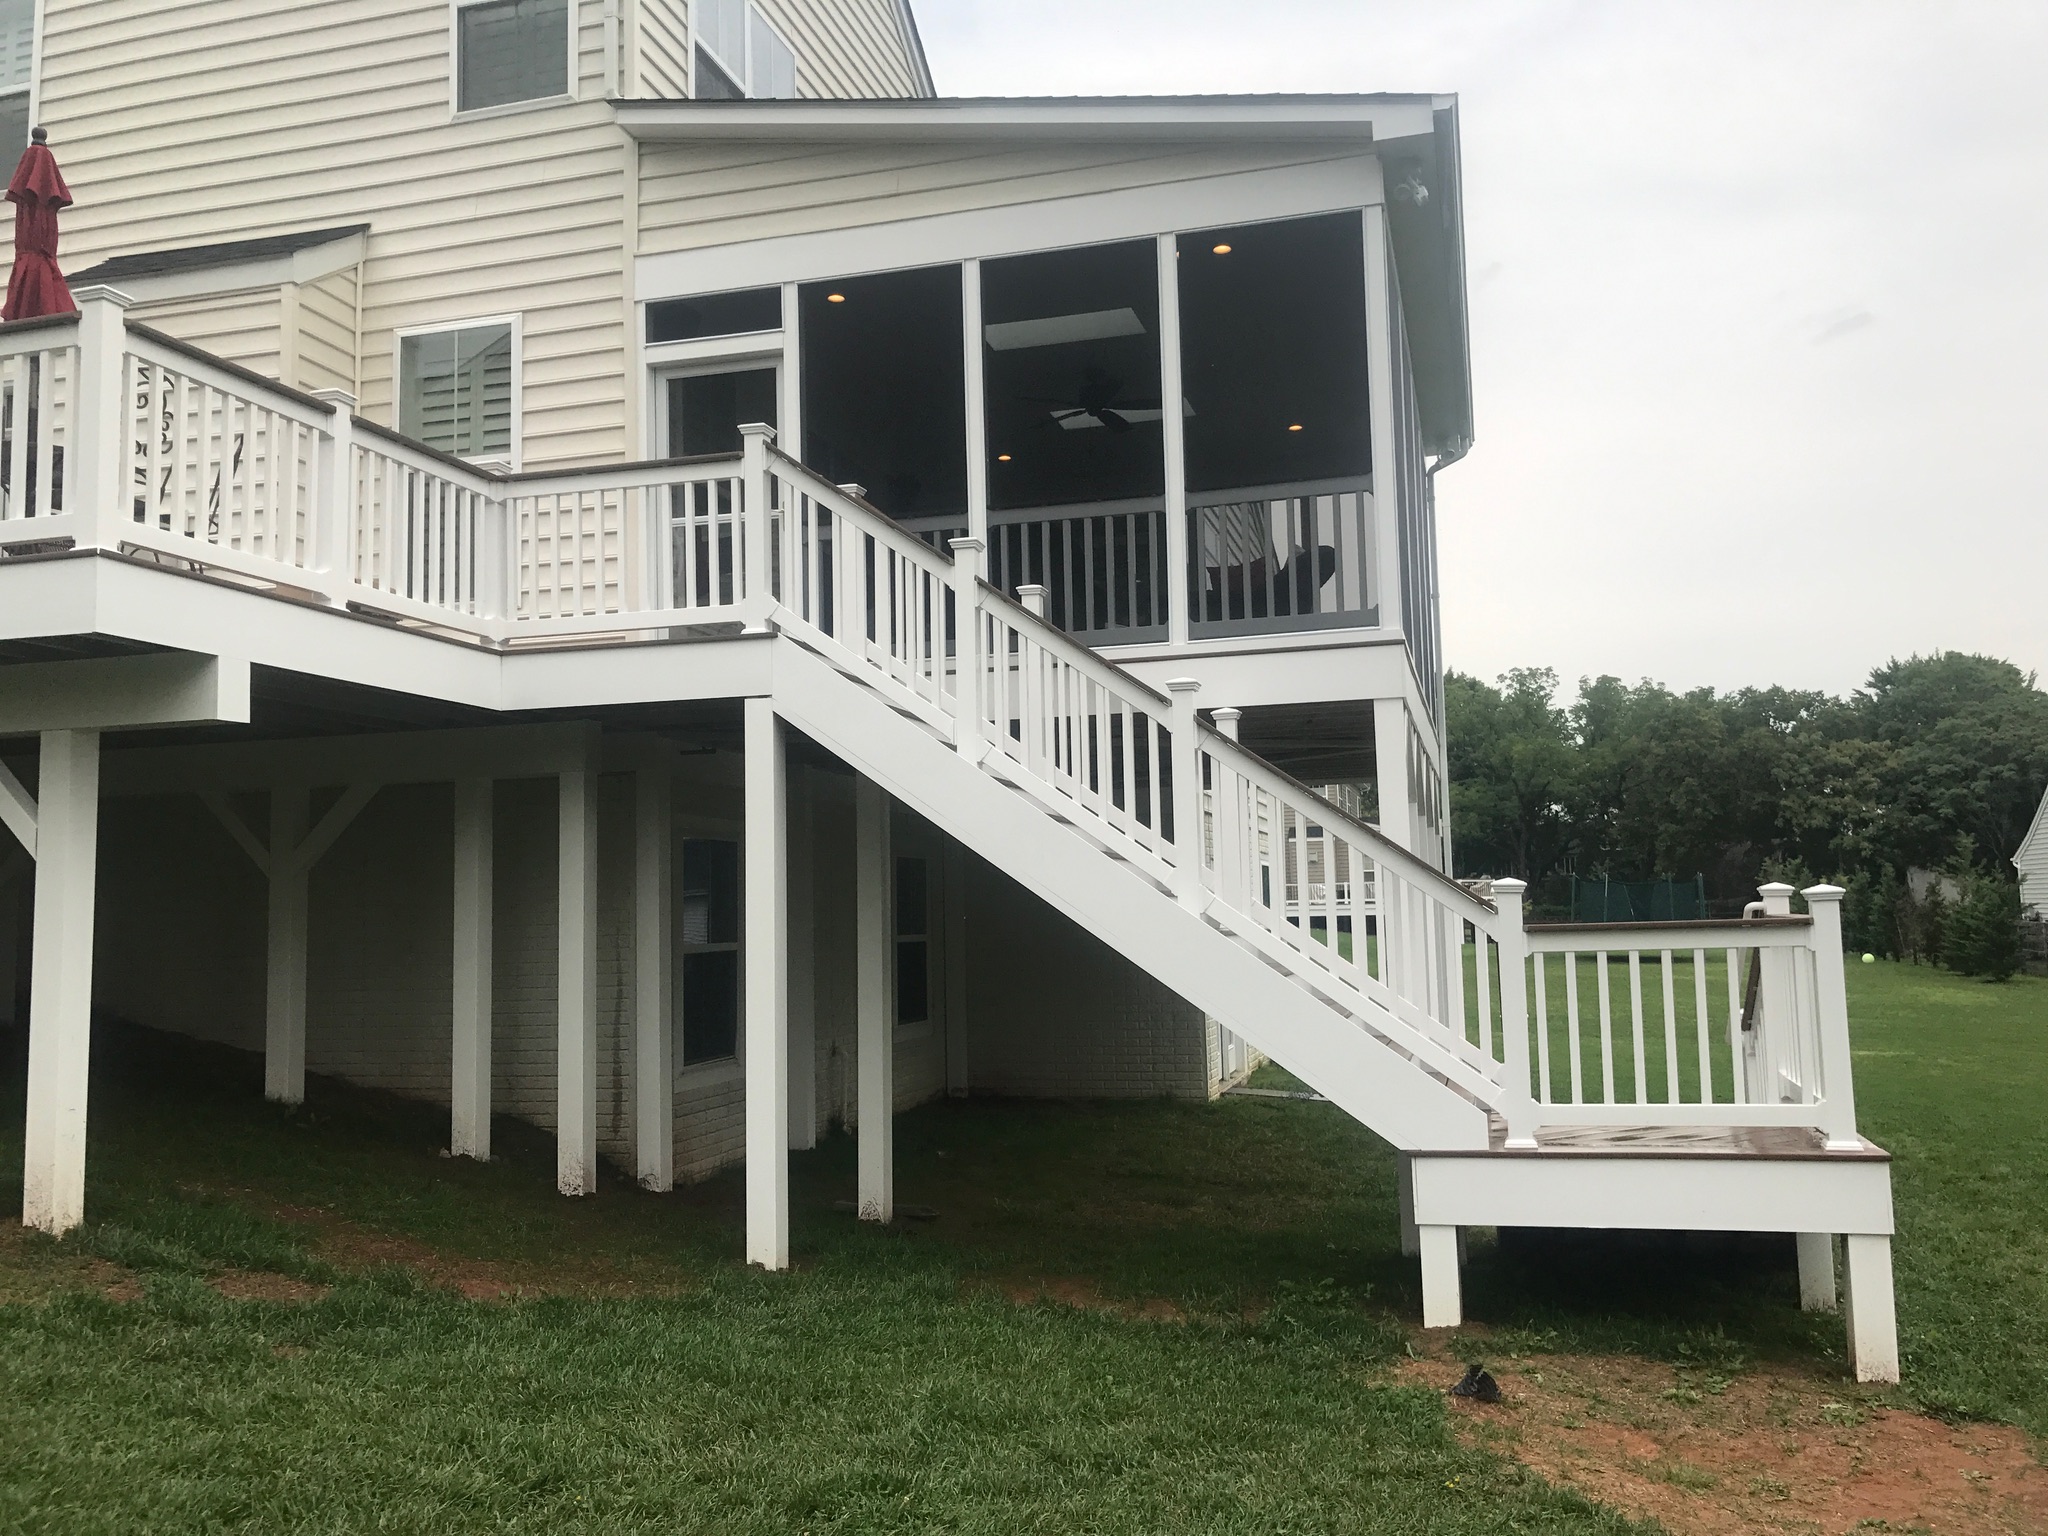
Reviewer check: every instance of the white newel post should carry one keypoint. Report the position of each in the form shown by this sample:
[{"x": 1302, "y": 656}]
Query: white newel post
[
  {"x": 576, "y": 987},
  {"x": 333, "y": 535},
  {"x": 874, "y": 950},
  {"x": 284, "y": 1010},
  {"x": 1774, "y": 1032},
  {"x": 1033, "y": 598},
  {"x": 755, "y": 589},
  {"x": 765, "y": 989},
  {"x": 60, "y": 996},
  {"x": 1227, "y": 722},
  {"x": 1831, "y": 993},
  {"x": 967, "y": 659},
  {"x": 654, "y": 1062},
  {"x": 469, "y": 1130},
  {"x": 97, "y": 467},
  {"x": 1187, "y": 794},
  {"x": 1518, "y": 1105}
]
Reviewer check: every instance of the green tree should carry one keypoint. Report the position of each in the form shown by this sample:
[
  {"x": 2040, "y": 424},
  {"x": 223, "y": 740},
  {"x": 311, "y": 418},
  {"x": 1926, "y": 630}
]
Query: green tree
[
  {"x": 1511, "y": 764},
  {"x": 1983, "y": 936}
]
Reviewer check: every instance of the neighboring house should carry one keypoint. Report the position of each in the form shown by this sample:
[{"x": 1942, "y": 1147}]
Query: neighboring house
[
  {"x": 2030, "y": 861},
  {"x": 639, "y": 570}
]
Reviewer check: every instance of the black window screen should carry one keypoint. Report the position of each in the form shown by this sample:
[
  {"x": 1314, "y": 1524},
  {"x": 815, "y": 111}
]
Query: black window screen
[
  {"x": 708, "y": 917},
  {"x": 511, "y": 50},
  {"x": 707, "y": 410},
  {"x": 715, "y": 314},
  {"x": 913, "y": 942}
]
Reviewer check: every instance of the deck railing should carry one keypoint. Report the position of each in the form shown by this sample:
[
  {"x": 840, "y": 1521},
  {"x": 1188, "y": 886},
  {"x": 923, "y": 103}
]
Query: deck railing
[{"x": 115, "y": 437}]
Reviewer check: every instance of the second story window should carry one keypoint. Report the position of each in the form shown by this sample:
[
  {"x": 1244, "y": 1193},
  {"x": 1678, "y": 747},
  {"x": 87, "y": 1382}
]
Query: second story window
[
  {"x": 739, "y": 54},
  {"x": 17, "y": 65},
  {"x": 509, "y": 51},
  {"x": 456, "y": 389}
]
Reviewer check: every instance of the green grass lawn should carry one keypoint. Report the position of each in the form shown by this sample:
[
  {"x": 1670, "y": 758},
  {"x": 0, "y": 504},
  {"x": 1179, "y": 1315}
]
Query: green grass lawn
[{"x": 1244, "y": 1257}]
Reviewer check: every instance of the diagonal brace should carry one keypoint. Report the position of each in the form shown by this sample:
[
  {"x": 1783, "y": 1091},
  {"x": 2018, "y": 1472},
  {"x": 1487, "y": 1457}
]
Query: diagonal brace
[{"x": 17, "y": 810}]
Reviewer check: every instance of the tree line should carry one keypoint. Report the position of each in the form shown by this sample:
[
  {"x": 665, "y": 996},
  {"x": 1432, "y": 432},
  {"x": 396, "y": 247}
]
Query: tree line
[{"x": 1937, "y": 764}]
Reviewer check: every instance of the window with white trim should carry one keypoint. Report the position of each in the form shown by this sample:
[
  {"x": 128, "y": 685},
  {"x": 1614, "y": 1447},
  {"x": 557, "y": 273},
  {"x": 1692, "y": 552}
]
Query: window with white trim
[
  {"x": 739, "y": 54},
  {"x": 457, "y": 387},
  {"x": 509, "y": 51},
  {"x": 17, "y": 66},
  {"x": 707, "y": 977}
]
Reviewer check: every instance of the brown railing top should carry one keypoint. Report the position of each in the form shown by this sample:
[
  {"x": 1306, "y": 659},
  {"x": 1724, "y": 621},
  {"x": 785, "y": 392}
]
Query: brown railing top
[
  {"x": 1732, "y": 924},
  {"x": 40, "y": 323},
  {"x": 515, "y": 477},
  {"x": 236, "y": 370}
]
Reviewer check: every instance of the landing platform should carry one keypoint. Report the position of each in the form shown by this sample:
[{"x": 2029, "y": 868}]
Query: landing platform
[{"x": 1741, "y": 1141}]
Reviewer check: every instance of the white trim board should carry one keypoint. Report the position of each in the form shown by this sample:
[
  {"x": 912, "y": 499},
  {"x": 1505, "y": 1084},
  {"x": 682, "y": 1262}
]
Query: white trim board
[
  {"x": 309, "y": 265},
  {"x": 1242, "y": 197}
]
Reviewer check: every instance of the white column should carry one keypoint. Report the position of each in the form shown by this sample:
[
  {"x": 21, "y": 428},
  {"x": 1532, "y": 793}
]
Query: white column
[
  {"x": 1873, "y": 1324},
  {"x": 1390, "y": 731},
  {"x": 60, "y": 1000},
  {"x": 97, "y": 492},
  {"x": 803, "y": 964},
  {"x": 955, "y": 892},
  {"x": 1404, "y": 1204},
  {"x": 1379, "y": 361},
  {"x": 1442, "y": 1299},
  {"x": 1173, "y": 435},
  {"x": 284, "y": 1007},
  {"x": 654, "y": 1050},
  {"x": 765, "y": 938},
  {"x": 1817, "y": 1271},
  {"x": 1831, "y": 996},
  {"x": 469, "y": 1131},
  {"x": 576, "y": 987},
  {"x": 874, "y": 1006},
  {"x": 977, "y": 416}
]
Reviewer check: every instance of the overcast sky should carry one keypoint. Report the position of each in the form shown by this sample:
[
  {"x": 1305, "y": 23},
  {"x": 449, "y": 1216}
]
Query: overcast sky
[{"x": 1759, "y": 306}]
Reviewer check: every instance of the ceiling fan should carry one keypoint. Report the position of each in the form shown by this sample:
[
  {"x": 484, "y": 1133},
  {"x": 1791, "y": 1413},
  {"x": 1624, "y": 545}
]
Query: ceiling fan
[{"x": 1098, "y": 399}]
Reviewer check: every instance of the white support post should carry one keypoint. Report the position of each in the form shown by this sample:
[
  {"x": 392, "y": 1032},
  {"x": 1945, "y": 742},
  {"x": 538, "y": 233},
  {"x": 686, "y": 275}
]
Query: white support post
[
  {"x": 977, "y": 415},
  {"x": 284, "y": 1008},
  {"x": 335, "y": 509},
  {"x": 1443, "y": 1303},
  {"x": 1831, "y": 995},
  {"x": 1379, "y": 362},
  {"x": 576, "y": 987},
  {"x": 874, "y": 1021},
  {"x": 968, "y": 668},
  {"x": 1873, "y": 1323},
  {"x": 958, "y": 1080},
  {"x": 1173, "y": 437},
  {"x": 1187, "y": 795},
  {"x": 60, "y": 1000},
  {"x": 1227, "y": 722},
  {"x": 766, "y": 937},
  {"x": 1511, "y": 975},
  {"x": 1390, "y": 732},
  {"x": 654, "y": 1065},
  {"x": 803, "y": 963},
  {"x": 1817, "y": 1271},
  {"x": 97, "y": 465},
  {"x": 469, "y": 1119},
  {"x": 754, "y": 590}
]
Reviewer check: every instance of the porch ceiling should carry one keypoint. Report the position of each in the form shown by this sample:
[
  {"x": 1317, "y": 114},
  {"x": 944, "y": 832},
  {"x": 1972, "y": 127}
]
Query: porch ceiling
[{"x": 1316, "y": 743}]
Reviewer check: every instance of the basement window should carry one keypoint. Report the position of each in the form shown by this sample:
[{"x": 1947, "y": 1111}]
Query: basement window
[
  {"x": 458, "y": 389},
  {"x": 708, "y": 979},
  {"x": 913, "y": 942},
  {"x": 509, "y": 51}
]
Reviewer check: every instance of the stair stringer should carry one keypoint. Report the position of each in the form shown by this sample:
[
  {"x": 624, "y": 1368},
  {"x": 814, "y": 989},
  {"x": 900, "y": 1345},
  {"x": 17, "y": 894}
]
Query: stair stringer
[{"x": 1369, "y": 1079}]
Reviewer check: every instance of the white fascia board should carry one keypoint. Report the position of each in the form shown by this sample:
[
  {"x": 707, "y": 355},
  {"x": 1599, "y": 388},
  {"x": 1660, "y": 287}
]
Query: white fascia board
[
  {"x": 519, "y": 751},
  {"x": 1363, "y": 120},
  {"x": 676, "y": 672},
  {"x": 1241, "y": 679},
  {"x": 1651, "y": 1193},
  {"x": 306, "y": 266},
  {"x": 123, "y": 693},
  {"x": 1243, "y": 197}
]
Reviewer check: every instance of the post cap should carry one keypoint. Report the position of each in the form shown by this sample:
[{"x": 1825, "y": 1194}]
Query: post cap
[
  {"x": 340, "y": 399},
  {"x": 977, "y": 545},
  {"x": 1226, "y": 713},
  {"x": 1508, "y": 885},
  {"x": 100, "y": 293},
  {"x": 1775, "y": 888},
  {"x": 1824, "y": 892},
  {"x": 1184, "y": 685},
  {"x": 1031, "y": 589},
  {"x": 757, "y": 429}
]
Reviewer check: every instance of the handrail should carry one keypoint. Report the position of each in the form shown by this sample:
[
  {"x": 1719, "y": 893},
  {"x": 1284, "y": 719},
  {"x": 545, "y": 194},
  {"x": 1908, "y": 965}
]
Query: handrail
[{"x": 241, "y": 375}]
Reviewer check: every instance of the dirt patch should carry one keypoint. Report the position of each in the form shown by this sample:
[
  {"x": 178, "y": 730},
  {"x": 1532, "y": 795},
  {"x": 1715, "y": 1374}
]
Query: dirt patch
[
  {"x": 1771, "y": 1449},
  {"x": 31, "y": 1268},
  {"x": 1083, "y": 1295},
  {"x": 258, "y": 1285}
]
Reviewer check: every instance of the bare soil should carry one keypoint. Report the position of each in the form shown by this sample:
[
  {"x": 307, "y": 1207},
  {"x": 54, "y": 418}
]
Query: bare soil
[{"x": 1772, "y": 1449}]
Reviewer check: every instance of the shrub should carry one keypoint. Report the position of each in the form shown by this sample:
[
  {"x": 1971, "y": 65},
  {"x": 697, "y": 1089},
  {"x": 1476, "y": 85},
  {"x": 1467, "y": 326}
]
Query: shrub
[{"x": 1983, "y": 937}]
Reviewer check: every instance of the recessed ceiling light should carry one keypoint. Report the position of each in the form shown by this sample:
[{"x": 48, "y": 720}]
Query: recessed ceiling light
[
  {"x": 1002, "y": 458},
  {"x": 835, "y": 298},
  {"x": 1295, "y": 428},
  {"x": 1220, "y": 250}
]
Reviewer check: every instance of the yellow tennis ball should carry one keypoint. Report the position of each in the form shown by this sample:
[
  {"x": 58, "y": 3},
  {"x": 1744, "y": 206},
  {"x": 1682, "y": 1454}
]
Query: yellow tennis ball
[{"x": 1870, "y": 959}]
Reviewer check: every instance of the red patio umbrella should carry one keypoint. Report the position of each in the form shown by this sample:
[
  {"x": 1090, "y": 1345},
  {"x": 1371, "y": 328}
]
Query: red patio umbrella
[{"x": 36, "y": 287}]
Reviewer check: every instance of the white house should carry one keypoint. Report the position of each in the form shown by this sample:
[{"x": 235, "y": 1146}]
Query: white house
[
  {"x": 641, "y": 571},
  {"x": 2030, "y": 860}
]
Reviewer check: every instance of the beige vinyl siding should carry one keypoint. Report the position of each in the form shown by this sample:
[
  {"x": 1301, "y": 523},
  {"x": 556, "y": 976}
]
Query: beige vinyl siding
[
  {"x": 664, "y": 49},
  {"x": 844, "y": 47},
  {"x": 327, "y": 332},
  {"x": 245, "y": 328},
  {"x": 2032, "y": 863},
  {"x": 696, "y": 195},
  {"x": 229, "y": 119}
]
